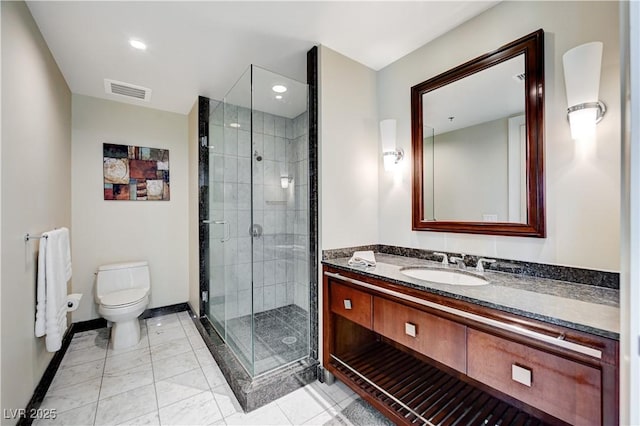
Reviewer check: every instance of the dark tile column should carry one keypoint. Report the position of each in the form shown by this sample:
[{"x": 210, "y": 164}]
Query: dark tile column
[
  {"x": 312, "y": 81},
  {"x": 203, "y": 199}
]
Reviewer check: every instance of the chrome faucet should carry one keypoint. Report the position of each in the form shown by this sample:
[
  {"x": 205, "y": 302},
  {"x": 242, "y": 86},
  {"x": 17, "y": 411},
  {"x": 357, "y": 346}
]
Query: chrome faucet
[
  {"x": 458, "y": 261},
  {"x": 445, "y": 262},
  {"x": 480, "y": 267}
]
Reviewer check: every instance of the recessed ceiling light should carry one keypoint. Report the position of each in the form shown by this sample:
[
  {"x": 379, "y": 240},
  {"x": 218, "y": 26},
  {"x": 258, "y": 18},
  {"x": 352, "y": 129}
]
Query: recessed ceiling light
[
  {"x": 279, "y": 88},
  {"x": 137, "y": 44},
  {"x": 278, "y": 96},
  {"x": 234, "y": 125}
]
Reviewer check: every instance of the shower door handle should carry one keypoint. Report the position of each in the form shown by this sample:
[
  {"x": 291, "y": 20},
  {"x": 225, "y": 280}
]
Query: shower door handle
[{"x": 227, "y": 228}]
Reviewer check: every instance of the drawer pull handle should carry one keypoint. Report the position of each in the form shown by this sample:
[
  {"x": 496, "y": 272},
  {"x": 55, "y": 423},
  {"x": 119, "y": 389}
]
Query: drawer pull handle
[
  {"x": 410, "y": 329},
  {"x": 521, "y": 375},
  {"x": 347, "y": 304}
]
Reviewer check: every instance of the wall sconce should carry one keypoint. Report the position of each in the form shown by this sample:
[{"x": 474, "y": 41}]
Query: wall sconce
[
  {"x": 582, "y": 80},
  {"x": 390, "y": 155},
  {"x": 285, "y": 181}
]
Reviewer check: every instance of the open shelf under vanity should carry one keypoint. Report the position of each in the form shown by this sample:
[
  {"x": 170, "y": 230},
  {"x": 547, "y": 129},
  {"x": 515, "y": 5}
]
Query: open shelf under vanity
[{"x": 416, "y": 392}]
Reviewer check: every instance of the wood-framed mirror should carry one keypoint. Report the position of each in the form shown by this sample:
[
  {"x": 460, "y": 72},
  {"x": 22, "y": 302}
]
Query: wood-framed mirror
[{"x": 478, "y": 144}]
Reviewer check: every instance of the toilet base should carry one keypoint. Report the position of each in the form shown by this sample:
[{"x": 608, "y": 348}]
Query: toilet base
[
  {"x": 125, "y": 334},
  {"x": 125, "y": 328}
]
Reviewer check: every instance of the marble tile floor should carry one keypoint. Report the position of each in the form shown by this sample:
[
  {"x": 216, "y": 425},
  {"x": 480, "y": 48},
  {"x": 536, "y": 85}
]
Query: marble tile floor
[{"x": 170, "y": 378}]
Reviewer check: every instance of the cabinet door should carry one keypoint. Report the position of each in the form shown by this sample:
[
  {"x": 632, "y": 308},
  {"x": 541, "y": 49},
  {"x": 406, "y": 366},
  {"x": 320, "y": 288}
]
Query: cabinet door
[
  {"x": 563, "y": 388},
  {"x": 435, "y": 337},
  {"x": 354, "y": 305}
]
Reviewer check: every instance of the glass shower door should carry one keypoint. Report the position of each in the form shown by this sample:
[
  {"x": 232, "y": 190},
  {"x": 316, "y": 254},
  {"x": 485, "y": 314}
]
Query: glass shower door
[
  {"x": 259, "y": 220},
  {"x": 230, "y": 306},
  {"x": 237, "y": 190},
  {"x": 216, "y": 299}
]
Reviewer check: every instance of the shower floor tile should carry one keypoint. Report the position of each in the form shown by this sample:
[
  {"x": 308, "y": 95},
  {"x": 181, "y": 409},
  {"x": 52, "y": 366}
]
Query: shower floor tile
[
  {"x": 280, "y": 337},
  {"x": 124, "y": 393}
]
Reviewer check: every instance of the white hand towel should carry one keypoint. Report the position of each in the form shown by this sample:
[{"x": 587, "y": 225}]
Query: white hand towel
[
  {"x": 55, "y": 253},
  {"x": 41, "y": 289},
  {"x": 363, "y": 258}
]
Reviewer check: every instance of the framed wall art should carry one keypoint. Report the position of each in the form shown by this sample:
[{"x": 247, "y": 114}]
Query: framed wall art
[{"x": 135, "y": 173}]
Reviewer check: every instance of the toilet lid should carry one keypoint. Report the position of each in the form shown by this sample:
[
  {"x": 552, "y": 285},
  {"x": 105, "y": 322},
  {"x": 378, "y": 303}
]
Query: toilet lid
[{"x": 123, "y": 297}]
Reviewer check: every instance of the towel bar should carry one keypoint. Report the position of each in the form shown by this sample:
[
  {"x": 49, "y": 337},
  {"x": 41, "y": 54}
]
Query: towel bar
[{"x": 28, "y": 237}]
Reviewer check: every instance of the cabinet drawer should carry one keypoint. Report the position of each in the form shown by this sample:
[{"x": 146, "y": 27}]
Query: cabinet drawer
[
  {"x": 435, "y": 337},
  {"x": 352, "y": 304},
  {"x": 563, "y": 388}
]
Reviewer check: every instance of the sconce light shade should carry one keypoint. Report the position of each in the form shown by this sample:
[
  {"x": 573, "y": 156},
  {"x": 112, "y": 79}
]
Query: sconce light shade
[
  {"x": 388, "y": 134},
  {"x": 582, "y": 81},
  {"x": 390, "y": 155}
]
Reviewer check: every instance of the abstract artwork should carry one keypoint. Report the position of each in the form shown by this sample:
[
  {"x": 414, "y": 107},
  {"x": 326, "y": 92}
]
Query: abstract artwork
[{"x": 135, "y": 173}]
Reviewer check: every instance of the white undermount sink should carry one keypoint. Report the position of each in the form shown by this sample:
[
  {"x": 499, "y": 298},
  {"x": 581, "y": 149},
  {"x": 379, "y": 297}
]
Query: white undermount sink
[{"x": 444, "y": 276}]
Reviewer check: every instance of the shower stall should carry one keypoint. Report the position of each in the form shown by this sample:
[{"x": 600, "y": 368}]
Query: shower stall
[{"x": 257, "y": 295}]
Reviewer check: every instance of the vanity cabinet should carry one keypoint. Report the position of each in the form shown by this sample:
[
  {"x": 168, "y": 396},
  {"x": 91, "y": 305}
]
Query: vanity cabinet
[
  {"x": 566, "y": 389},
  {"x": 351, "y": 304},
  {"x": 438, "y": 338},
  {"x": 423, "y": 358}
]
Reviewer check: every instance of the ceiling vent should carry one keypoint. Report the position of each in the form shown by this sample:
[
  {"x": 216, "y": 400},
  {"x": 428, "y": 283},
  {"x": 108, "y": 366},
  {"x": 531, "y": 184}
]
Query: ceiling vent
[
  {"x": 519, "y": 77},
  {"x": 128, "y": 90}
]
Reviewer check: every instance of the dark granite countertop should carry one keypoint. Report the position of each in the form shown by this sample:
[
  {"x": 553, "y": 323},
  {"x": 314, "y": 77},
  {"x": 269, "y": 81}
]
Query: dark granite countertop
[{"x": 587, "y": 308}]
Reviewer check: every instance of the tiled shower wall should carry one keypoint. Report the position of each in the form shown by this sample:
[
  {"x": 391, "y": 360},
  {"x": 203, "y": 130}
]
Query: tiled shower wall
[
  {"x": 280, "y": 255},
  {"x": 298, "y": 157}
]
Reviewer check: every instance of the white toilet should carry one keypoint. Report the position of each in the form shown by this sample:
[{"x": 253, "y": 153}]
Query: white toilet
[{"x": 122, "y": 292}]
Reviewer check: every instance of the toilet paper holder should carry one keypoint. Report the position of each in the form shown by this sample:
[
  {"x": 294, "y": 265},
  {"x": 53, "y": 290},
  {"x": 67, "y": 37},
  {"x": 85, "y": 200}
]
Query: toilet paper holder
[{"x": 73, "y": 301}]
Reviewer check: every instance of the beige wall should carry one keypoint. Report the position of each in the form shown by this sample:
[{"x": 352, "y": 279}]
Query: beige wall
[
  {"x": 348, "y": 155},
  {"x": 36, "y": 197},
  {"x": 1, "y": 401},
  {"x": 579, "y": 178},
  {"x": 116, "y": 231},
  {"x": 194, "y": 212}
]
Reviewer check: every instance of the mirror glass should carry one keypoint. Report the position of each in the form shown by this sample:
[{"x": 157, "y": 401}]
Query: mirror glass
[
  {"x": 474, "y": 147},
  {"x": 477, "y": 143}
]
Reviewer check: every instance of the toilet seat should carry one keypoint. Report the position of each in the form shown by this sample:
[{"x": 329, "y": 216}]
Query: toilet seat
[{"x": 123, "y": 298}]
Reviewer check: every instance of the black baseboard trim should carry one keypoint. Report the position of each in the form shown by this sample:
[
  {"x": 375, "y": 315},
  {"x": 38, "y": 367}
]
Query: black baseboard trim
[
  {"x": 165, "y": 310},
  {"x": 78, "y": 327},
  {"x": 94, "y": 324}
]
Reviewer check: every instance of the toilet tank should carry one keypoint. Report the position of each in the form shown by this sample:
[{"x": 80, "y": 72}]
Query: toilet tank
[{"x": 122, "y": 276}]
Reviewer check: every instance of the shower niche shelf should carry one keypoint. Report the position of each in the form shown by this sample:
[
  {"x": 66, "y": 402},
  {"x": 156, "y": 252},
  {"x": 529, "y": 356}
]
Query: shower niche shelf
[{"x": 422, "y": 358}]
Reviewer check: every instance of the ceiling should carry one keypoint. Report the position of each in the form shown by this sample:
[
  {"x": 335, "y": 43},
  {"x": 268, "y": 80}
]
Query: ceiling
[{"x": 203, "y": 48}]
